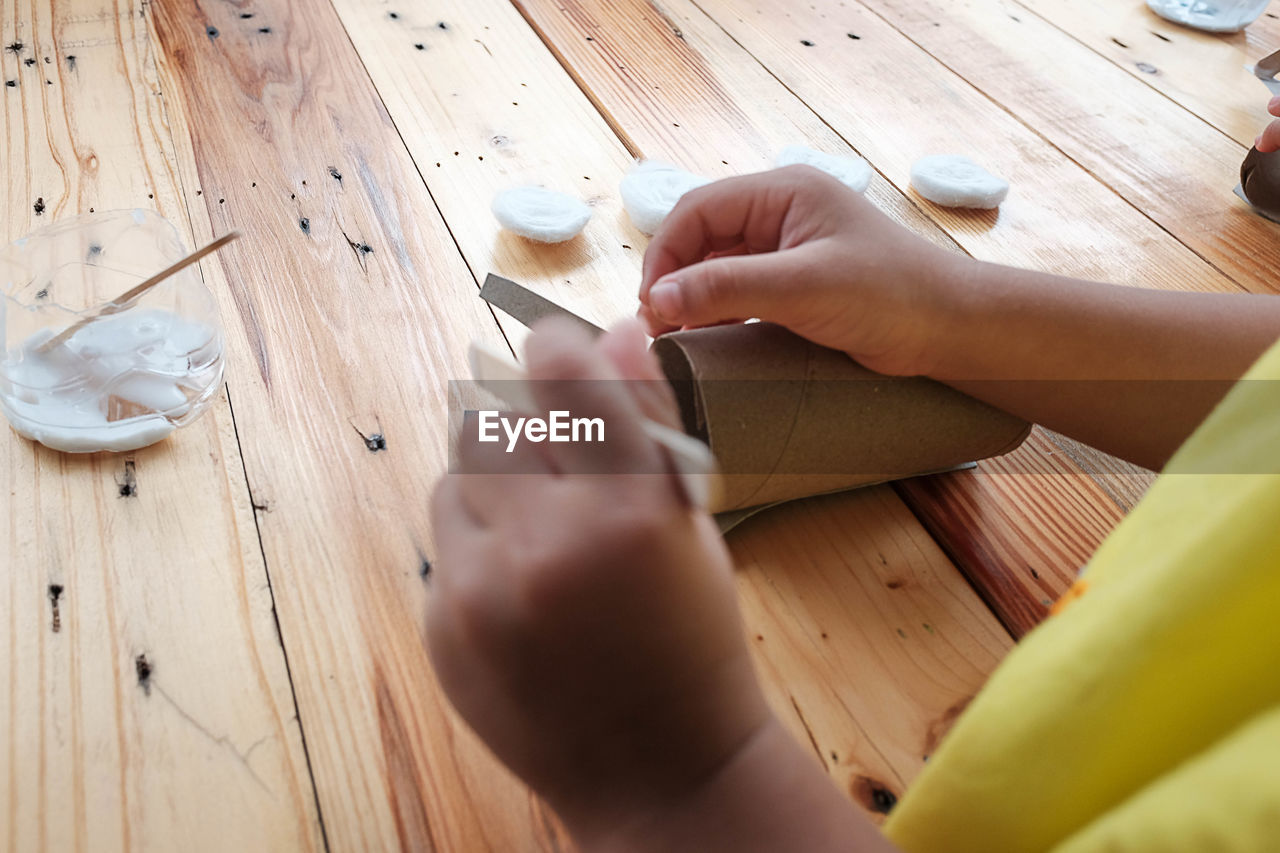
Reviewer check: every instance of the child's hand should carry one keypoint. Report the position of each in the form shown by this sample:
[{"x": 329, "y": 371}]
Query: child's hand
[
  {"x": 1269, "y": 139},
  {"x": 586, "y": 625},
  {"x": 796, "y": 247}
]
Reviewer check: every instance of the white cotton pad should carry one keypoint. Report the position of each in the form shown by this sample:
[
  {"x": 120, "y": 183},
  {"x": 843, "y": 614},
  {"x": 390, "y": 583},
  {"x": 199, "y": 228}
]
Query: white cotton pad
[
  {"x": 651, "y": 189},
  {"x": 953, "y": 180},
  {"x": 853, "y": 172},
  {"x": 541, "y": 214}
]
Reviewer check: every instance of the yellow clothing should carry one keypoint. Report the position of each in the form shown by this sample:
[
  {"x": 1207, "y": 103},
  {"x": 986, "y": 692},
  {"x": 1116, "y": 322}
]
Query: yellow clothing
[{"x": 1145, "y": 714}]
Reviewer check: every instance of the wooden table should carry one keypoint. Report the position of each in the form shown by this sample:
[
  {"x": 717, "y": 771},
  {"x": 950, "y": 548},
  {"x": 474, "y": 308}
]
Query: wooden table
[{"x": 216, "y": 643}]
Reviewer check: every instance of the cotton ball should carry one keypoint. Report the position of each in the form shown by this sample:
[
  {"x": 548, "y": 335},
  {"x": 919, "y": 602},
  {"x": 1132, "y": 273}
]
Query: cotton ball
[
  {"x": 953, "y": 180},
  {"x": 853, "y": 172},
  {"x": 651, "y": 189},
  {"x": 541, "y": 214}
]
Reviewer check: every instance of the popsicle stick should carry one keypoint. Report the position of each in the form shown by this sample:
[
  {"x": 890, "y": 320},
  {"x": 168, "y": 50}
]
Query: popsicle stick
[
  {"x": 497, "y": 373},
  {"x": 123, "y": 300}
]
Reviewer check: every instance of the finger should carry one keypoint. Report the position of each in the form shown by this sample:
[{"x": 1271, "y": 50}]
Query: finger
[
  {"x": 626, "y": 347},
  {"x": 500, "y": 478},
  {"x": 1273, "y": 106},
  {"x": 572, "y": 376},
  {"x": 652, "y": 324},
  {"x": 725, "y": 289},
  {"x": 747, "y": 211},
  {"x": 455, "y": 528},
  {"x": 487, "y": 446},
  {"x": 1270, "y": 138}
]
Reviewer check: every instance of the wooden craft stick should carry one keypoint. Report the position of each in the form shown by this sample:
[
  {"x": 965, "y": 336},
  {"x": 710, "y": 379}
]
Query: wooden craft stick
[
  {"x": 1268, "y": 67},
  {"x": 125, "y": 299},
  {"x": 696, "y": 468}
]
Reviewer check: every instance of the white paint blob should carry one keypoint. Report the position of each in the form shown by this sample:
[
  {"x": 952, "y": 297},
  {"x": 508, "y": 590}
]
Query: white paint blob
[
  {"x": 119, "y": 383},
  {"x": 853, "y": 172},
  {"x": 540, "y": 214},
  {"x": 953, "y": 180},
  {"x": 651, "y": 189}
]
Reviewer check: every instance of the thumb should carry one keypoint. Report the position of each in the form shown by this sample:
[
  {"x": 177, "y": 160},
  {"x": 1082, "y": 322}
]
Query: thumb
[{"x": 725, "y": 289}]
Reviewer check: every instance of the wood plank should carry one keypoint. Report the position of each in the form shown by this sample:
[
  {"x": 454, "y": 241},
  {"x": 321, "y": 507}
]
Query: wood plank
[
  {"x": 488, "y": 52},
  {"x": 1204, "y": 72},
  {"x": 1058, "y": 217},
  {"x": 332, "y": 344},
  {"x": 668, "y": 56},
  {"x": 490, "y": 87},
  {"x": 846, "y": 581},
  {"x": 150, "y": 556},
  {"x": 1167, "y": 162},
  {"x": 1015, "y": 525}
]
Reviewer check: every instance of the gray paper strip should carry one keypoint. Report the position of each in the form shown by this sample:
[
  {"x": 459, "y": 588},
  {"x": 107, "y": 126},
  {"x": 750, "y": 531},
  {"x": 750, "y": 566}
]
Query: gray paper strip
[{"x": 525, "y": 305}]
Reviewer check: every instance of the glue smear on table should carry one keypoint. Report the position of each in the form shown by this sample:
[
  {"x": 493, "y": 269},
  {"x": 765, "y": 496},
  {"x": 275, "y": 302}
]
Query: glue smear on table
[{"x": 119, "y": 383}]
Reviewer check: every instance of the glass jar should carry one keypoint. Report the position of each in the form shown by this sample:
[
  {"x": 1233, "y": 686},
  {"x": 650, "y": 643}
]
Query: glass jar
[
  {"x": 1215, "y": 16},
  {"x": 128, "y": 378}
]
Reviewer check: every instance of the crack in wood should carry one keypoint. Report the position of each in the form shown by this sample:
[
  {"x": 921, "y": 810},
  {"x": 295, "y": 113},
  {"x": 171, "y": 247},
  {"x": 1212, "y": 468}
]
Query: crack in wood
[
  {"x": 221, "y": 741},
  {"x": 143, "y": 669},
  {"x": 362, "y": 250},
  {"x": 55, "y": 593},
  {"x": 374, "y": 441},
  {"x": 813, "y": 741},
  {"x": 129, "y": 488}
]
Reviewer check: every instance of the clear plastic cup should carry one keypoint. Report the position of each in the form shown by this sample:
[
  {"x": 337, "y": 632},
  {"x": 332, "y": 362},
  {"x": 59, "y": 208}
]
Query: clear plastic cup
[
  {"x": 127, "y": 379},
  {"x": 1215, "y": 16}
]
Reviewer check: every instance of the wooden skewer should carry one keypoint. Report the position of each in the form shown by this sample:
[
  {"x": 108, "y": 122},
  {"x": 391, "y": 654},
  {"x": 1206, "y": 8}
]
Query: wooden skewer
[
  {"x": 125, "y": 299},
  {"x": 1268, "y": 67}
]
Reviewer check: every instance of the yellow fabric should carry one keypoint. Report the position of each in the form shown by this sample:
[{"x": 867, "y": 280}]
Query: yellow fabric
[
  {"x": 1106, "y": 719},
  {"x": 1226, "y": 800}
]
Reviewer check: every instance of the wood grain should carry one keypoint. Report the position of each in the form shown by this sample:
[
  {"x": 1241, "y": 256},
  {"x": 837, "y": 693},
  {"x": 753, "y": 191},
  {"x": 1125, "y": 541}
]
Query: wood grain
[
  {"x": 1203, "y": 72},
  {"x": 1019, "y": 559},
  {"x": 147, "y": 702},
  {"x": 850, "y": 610},
  {"x": 347, "y": 323},
  {"x": 668, "y": 73},
  {"x": 796, "y": 581},
  {"x": 1170, "y": 165},
  {"x": 1058, "y": 217}
]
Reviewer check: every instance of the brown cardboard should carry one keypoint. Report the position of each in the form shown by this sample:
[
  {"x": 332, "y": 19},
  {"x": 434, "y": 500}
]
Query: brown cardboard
[
  {"x": 525, "y": 305},
  {"x": 811, "y": 420},
  {"x": 787, "y": 418},
  {"x": 1260, "y": 182}
]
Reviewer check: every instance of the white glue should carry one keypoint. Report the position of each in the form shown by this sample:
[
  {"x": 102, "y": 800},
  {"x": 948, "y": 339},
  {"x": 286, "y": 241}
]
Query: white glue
[{"x": 119, "y": 383}]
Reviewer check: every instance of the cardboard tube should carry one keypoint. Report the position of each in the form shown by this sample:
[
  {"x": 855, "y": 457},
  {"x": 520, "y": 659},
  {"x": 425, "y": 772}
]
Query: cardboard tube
[
  {"x": 1260, "y": 182},
  {"x": 787, "y": 418}
]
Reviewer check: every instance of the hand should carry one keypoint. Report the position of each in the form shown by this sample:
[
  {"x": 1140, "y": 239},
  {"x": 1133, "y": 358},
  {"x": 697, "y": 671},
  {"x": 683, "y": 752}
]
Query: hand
[
  {"x": 586, "y": 625},
  {"x": 796, "y": 247},
  {"x": 1269, "y": 139}
]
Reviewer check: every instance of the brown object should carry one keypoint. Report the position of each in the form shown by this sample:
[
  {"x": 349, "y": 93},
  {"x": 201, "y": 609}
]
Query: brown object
[
  {"x": 126, "y": 299},
  {"x": 1260, "y": 181},
  {"x": 789, "y": 419},
  {"x": 1021, "y": 525}
]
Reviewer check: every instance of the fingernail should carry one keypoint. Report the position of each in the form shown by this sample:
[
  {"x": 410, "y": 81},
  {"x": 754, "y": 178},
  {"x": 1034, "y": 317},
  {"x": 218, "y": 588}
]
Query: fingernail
[
  {"x": 1274, "y": 102},
  {"x": 666, "y": 301}
]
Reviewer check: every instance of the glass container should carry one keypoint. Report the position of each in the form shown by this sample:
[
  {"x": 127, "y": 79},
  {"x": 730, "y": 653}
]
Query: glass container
[
  {"x": 1215, "y": 16},
  {"x": 127, "y": 379}
]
